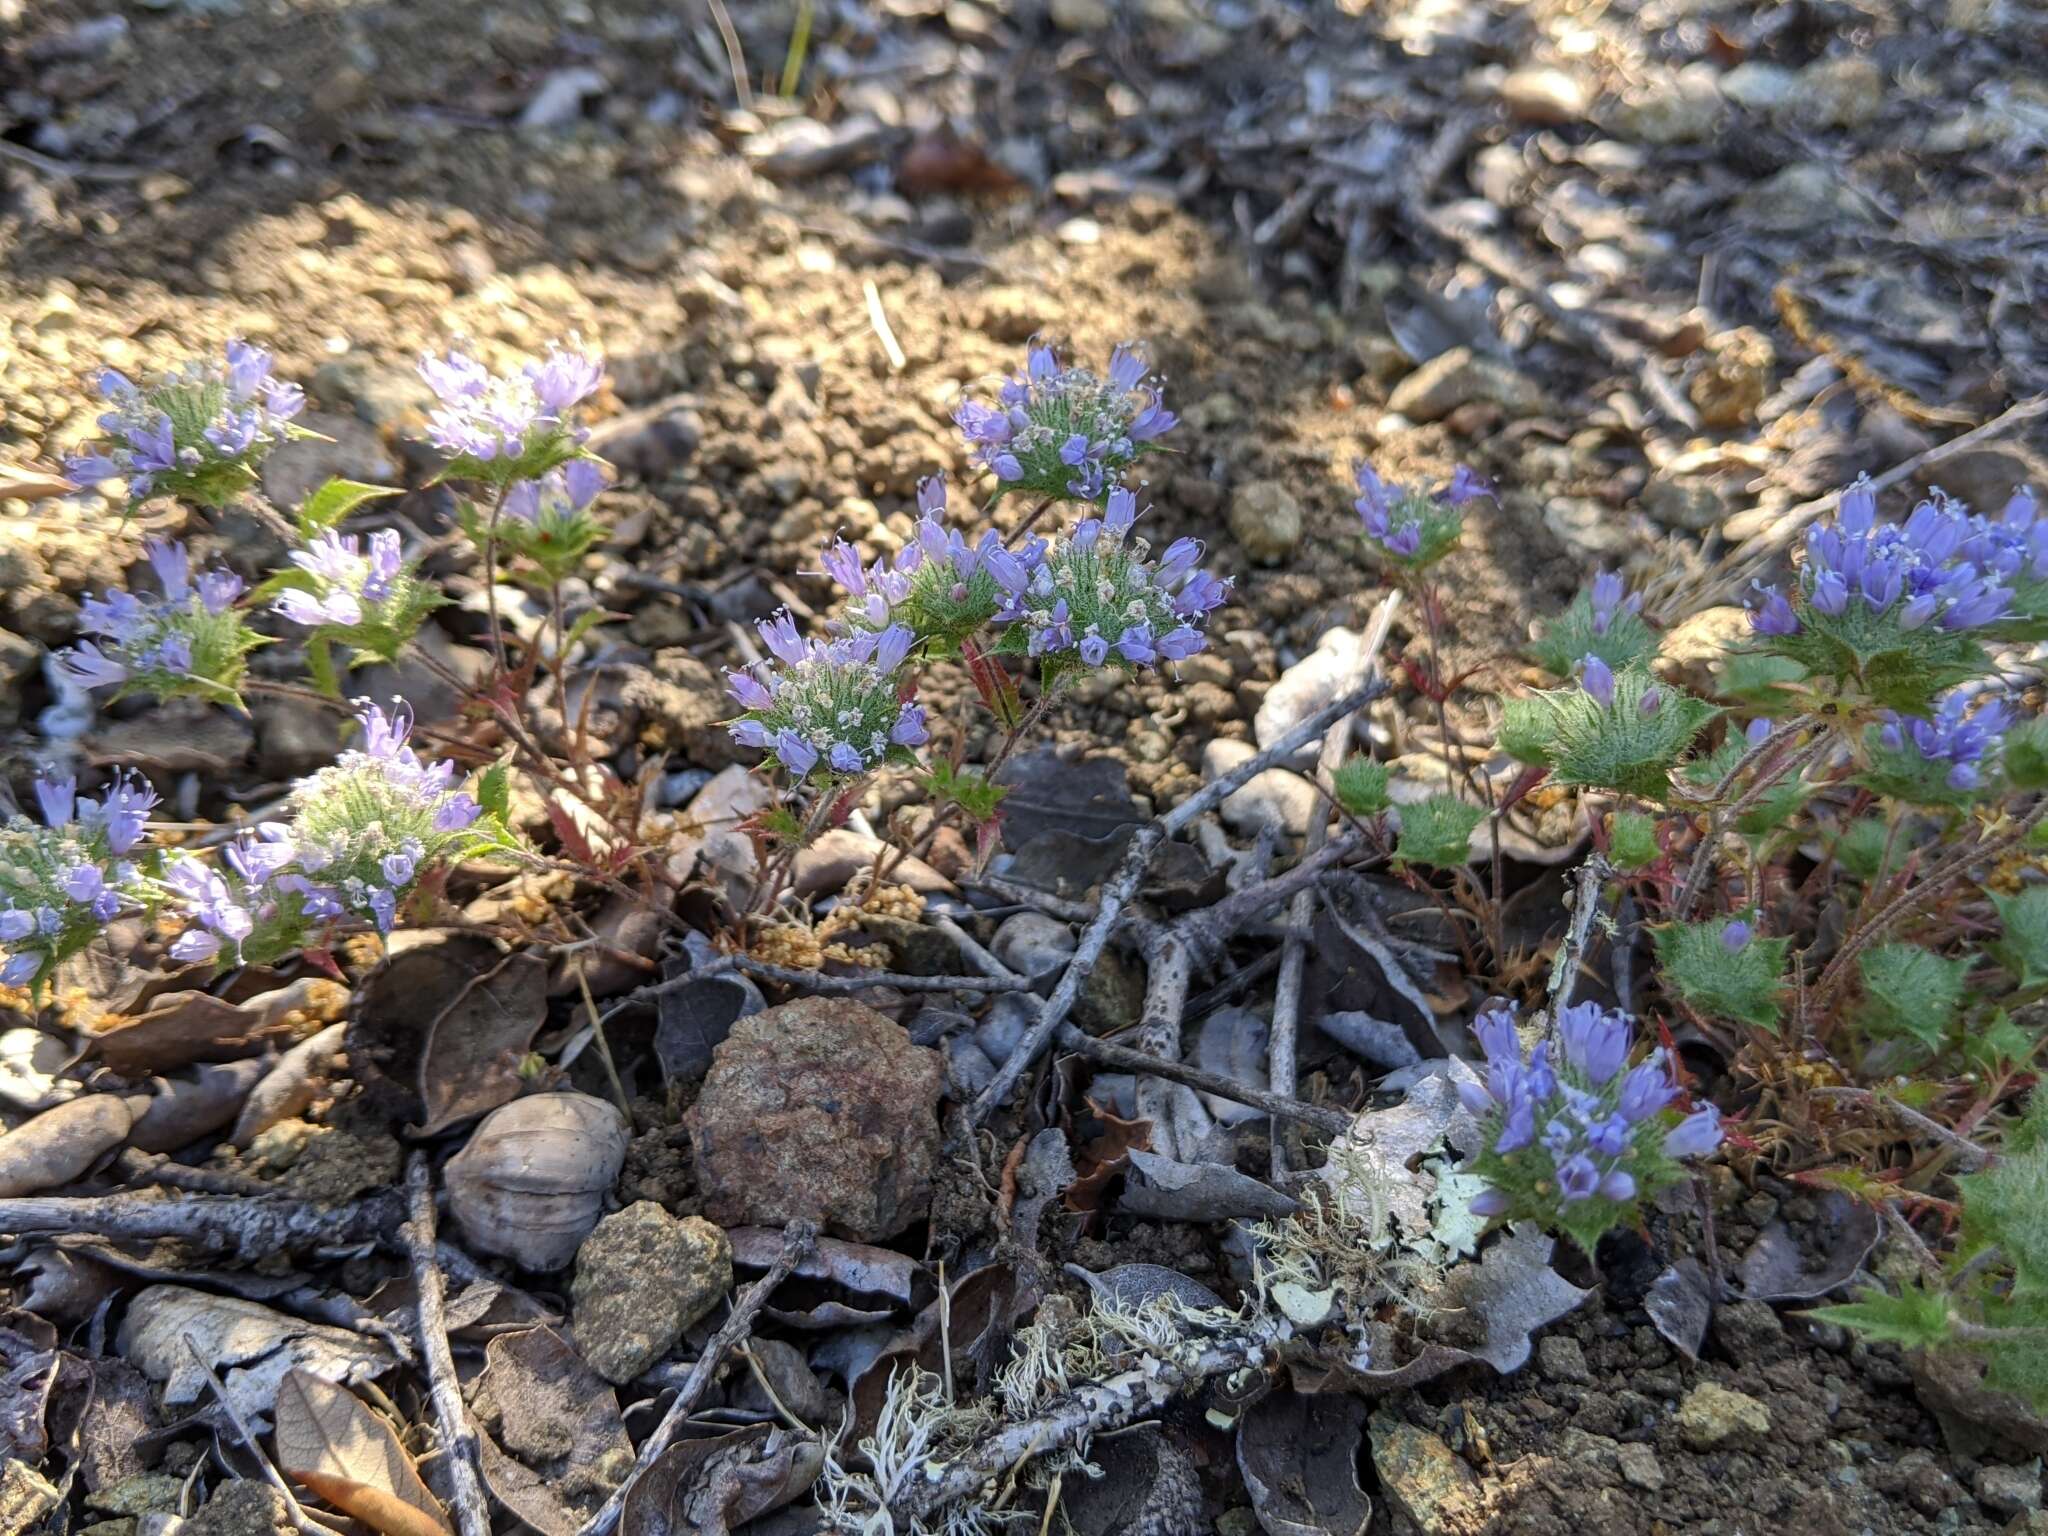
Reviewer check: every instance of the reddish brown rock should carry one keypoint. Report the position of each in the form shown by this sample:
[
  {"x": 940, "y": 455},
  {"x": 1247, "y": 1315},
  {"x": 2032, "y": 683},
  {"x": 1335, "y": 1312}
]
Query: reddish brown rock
[{"x": 820, "y": 1109}]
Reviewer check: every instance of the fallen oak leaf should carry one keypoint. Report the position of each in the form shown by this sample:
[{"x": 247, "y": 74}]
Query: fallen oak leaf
[{"x": 331, "y": 1443}]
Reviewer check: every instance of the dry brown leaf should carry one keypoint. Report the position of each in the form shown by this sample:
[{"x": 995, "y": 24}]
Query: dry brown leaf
[
  {"x": 380, "y": 1511},
  {"x": 22, "y": 482},
  {"x": 331, "y": 1442},
  {"x": 1105, "y": 1157}
]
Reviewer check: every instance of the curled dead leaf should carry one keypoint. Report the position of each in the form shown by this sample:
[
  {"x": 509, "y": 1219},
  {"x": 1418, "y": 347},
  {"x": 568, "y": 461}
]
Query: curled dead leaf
[{"x": 60, "y": 1144}]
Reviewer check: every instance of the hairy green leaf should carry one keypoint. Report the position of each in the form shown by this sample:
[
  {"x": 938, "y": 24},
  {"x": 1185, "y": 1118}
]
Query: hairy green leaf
[
  {"x": 1745, "y": 983},
  {"x": 1361, "y": 786},
  {"x": 1438, "y": 832},
  {"x": 1912, "y": 992}
]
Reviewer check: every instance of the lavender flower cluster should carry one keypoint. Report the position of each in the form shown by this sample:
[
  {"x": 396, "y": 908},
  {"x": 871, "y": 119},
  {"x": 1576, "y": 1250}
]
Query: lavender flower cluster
[
  {"x": 64, "y": 880},
  {"x": 939, "y": 586},
  {"x": 1942, "y": 566},
  {"x": 190, "y": 632},
  {"x": 1064, "y": 432},
  {"x": 1958, "y": 743},
  {"x": 834, "y": 708},
  {"x": 346, "y": 585},
  {"x": 1095, "y": 598},
  {"x": 1410, "y": 527},
  {"x": 361, "y": 833},
  {"x": 1609, "y": 599},
  {"x": 501, "y": 430},
  {"x": 200, "y": 433},
  {"x": 1573, "y": 1141}
]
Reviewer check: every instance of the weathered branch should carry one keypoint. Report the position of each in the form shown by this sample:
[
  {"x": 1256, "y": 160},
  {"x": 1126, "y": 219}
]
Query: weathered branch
[
  {"x": 241, "y": 1225},
  {"x": 1118, "y": 890},
  {"x": 451, "y": 1418}
]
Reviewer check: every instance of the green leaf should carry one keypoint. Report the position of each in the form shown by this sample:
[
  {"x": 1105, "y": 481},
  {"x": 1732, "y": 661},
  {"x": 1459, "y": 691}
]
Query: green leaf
[
  {"x": 1632, "y": 841},
  {"x": 1911, "y": 991},
  {"x": 1743, "y": 984},
  {"x": 966, "y": 788},
  {"x": 1914, "y": 1319},
  {"x": 494, "y": 793},
  {"x": 320, "y": 665},
  {"x": 1438, "y": 832},
  {"x": 1525, "y": 730},
  {"x": 2006, "y": 1207},
  {"x": 1998, "y": 1043},
  {"x": 1860, "y": 847},
  {"x": 1758, "y": 678},
  {"x": 328, "y": 505},
  {"x": 1361, "y": 786},
  {"x": 2026, "y": 754},
  {"x": 2024, "y": 949}
]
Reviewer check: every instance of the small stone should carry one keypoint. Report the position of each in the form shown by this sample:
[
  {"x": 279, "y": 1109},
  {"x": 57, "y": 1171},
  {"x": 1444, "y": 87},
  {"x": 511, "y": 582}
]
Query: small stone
[
  {"x": 298, "y": 467},
  {"x": 1265, "y": 519},
  {"x": 560, "y": 99},
  {"x": 242, "y": 1507},
  {"x": 820, "y": 1109},
  {"x": 1671, "y": 106},
  {"x": 125, "y": 1526},
  {"x": 1695, "y": 503},
  {"x": 1090, "y": 17},
  {"x": 2009, "y": 1490},
  {"x": 25, "y": 1497},
  {"x": 683, "y": 708},
  {"x": 386, "y": 396},
  {"x": 1838, "y": 93},
  {"x": 1275, "y": 799},
  {"x": 1453, "y": 378},
  {"x": 1561, "y": 1358},
  {"x": 1712, "y": 1415},
  {"x": 1750, "y": 1331},
  {"x": 1424, "y": 1477},
  {"x": 642, "y": 1278},
  {"x": 1319, "y": 679},
  {"x": 1796, "y": 196},
  {"x": 1733, "y": 378},
  {"x": 1034, "y": 945},
  {"x": 294, "y": 737},
  {"x": 1546, "y": 96},
  {"x": 1759, "y": 87},
  {"x": 1640, "y": 1467},
  {"x": 137, "y": 1495}
]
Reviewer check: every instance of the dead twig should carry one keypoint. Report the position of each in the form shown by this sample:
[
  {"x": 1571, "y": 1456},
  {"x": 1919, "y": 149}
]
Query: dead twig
[
  {"x": 797, "y": 1239},
  {"x": 465, "y": 1478},
  {"x": 1590, "y": 877},
  {"x": 300, "y": 1517},
  {"x": 1280, "y": 1106},
  {"x": 1967, "y": 1152},
  {"x": 1282, "y": 1069},
  {"x": 1119, "y": 889}
]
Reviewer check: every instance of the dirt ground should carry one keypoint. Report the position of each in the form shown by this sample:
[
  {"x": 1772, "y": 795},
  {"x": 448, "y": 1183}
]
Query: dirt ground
[{"x": 1827, "y": 273}]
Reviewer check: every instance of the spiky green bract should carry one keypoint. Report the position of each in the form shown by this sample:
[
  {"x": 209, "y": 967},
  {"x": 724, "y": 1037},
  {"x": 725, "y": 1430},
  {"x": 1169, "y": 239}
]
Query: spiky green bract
[
  {"x": 544, "y": 526},
  {"x": 1632, "y": 841},
  {"x": 1916, "y": 1318},
  {"x": 1360, "y": 786},
  {"x": 1866, "y": 658},
  {"x": 1438, "y": 832},
  {"x": 1614, "y": 633},
  {"x": 1630, "y": 742},
  {"x": 1860, "y": 847},
  {"x": 371, "y": 600},
  {"x": 1911, "y": 992},
  {"x": 1724, "y": 971},
  {"x": 2023, "y": 947}
]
